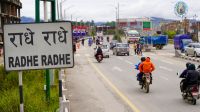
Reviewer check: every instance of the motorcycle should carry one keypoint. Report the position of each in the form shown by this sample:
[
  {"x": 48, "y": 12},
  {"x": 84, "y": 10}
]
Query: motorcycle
[
  {"x": 146, "y": 81},
  {"x": 99, "y": 58},
  {"x": 191, "y": 94}
]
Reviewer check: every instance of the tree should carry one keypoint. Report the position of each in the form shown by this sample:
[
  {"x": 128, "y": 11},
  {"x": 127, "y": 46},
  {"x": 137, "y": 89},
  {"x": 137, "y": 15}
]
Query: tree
[
  {"x": 170, "y": 34},
  {"x": 117, "y": 37}
]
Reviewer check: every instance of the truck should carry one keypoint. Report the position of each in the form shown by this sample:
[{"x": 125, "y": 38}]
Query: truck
[
  {"x": 156, "y": 41},
  {"x": 181, "y": 41},
  {"x": 132, "y": 36}
]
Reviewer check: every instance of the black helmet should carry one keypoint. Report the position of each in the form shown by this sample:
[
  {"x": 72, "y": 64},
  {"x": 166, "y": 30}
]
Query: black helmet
[
  {"x": 192, "y": 67},
  {"x": 188, "y": 64},
  {"x": 143, "y": 59}
]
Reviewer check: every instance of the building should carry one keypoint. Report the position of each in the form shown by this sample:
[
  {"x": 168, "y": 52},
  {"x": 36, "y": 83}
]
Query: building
[
  {"x": 132, "y": 23},
  {"x": 178, "y": 26},
  {"x": 9, "y": 13}
]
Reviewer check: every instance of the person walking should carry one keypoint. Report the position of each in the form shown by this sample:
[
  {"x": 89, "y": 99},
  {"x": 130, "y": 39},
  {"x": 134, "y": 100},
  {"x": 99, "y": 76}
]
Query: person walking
[
  {"x": 135, "y": 47},
  {"x": 83, "y": 41}
]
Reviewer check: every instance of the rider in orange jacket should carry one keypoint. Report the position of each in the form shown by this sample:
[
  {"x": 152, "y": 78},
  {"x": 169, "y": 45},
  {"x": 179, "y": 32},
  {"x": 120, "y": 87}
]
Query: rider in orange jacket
[{"x": 147, "y": 66}]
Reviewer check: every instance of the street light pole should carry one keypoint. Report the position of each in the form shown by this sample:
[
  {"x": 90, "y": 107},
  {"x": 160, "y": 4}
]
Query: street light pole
[
  {"x": 58, "y": 10},
  {"x": 196, "y": 27},
  {"x": 61, "y": 14}
]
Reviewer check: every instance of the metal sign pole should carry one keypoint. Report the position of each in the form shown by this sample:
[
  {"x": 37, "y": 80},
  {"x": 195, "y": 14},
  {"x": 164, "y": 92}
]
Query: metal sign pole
[
  {"x": 47, "y": 70},
  {"x": 21, "y": 92},
  {"x": 60, "y": 91}
]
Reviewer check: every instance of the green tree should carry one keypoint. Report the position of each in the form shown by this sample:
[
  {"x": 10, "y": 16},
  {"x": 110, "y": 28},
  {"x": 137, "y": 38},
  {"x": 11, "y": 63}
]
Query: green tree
[
  {"x": 117, "y": 37},
  {"x": 170, "y": 34}
]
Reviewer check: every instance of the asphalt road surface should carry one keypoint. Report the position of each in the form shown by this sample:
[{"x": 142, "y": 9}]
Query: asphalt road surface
[{"x": 111, "y": 86}]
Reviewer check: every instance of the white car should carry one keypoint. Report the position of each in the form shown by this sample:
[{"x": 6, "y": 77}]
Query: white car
[
  {"x": 193, "y": 49},
  {"x": 106, "y": 50}
]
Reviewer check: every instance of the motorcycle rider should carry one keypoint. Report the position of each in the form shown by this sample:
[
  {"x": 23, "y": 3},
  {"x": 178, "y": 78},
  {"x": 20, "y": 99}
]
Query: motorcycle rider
[
  {"x": 99, "y": 52},
  {"x": 108, "y": 39},
  {"x": 198, "y": 68},
  {"x": 140, "y": 74},
  {"x": 147, "y": 67},
  {"x": 183, "y": 75},
  {"x": 192, "y": 77}
]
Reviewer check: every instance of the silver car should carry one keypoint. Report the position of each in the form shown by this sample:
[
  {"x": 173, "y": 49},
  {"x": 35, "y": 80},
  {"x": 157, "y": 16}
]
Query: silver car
[
  {"x": 193, "y": 49},
  {"x": 121, "y": 48},
  {"x": 106, "y": 50}
]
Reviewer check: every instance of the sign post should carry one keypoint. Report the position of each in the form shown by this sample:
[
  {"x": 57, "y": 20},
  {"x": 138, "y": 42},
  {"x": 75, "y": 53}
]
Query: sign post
[
  {"x": 21, "y": 92},
  {"x": 38, "y": 46},
  {"x": 37, "y": 18}
]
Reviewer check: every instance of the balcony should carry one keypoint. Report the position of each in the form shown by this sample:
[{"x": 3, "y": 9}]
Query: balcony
[{"x": 15, "y": 2}]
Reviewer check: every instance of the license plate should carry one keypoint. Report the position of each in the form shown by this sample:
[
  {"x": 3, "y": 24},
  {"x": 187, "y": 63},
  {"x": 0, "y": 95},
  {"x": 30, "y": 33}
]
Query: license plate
[{"x": 194, "y": 94}]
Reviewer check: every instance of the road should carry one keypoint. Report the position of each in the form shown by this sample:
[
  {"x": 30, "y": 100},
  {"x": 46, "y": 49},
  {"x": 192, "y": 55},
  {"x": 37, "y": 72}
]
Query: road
[{"x": 111, "y": 86}]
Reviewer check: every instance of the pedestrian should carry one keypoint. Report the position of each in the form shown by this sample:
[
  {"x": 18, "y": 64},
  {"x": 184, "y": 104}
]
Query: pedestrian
[
  {"x": 138, "y": 48},
  {"x": 83, "y": 41},
  {"x": 141, "y": 47},
  {"x": 135, "y": 47}
]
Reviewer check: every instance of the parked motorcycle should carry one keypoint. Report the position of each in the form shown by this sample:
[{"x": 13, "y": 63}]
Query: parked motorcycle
[
  {"x": 191, "y": 94},
  {"x": 146, "y": 81}
]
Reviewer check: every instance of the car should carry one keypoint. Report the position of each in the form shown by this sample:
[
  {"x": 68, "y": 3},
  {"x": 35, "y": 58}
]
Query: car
[
  {"x": 113, "y": 44},
  {"x": 121, "y": 48},
  {"x": 106, "y": 50},
  {"x": 193, "y": 49}
]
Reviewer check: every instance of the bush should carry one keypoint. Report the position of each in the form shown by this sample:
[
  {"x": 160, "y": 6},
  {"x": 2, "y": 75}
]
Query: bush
[{"x": 34, "y": 95}]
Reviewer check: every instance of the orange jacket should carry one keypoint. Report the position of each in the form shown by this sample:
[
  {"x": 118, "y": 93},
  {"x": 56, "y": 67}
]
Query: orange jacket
[{"x": 147, "y": 66}]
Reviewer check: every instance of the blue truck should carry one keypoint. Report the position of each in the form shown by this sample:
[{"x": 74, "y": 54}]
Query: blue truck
[
  {"x": 181, "y": 41},
  {"x": 155, "y": 41}
]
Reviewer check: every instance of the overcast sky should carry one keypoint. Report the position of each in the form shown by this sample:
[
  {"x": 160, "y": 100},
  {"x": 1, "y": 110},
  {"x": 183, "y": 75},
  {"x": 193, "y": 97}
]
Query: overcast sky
[{"x": 104, "y": 10}]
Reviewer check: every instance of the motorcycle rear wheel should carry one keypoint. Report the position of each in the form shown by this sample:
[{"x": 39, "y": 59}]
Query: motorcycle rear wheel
[{"x": 147, "y": 87}]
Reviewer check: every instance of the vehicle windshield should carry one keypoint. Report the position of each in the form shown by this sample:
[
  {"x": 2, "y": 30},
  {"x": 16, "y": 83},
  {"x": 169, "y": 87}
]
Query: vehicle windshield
[
  {"x": 197, "y": 46},
  {"x": 122, "y": 45},
  {"x": 104, "y": 47},
  {"x": 186, "y": 41}
]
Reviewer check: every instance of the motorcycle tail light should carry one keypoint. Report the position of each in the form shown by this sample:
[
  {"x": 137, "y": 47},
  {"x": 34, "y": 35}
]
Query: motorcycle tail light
[{"x": 195, "y": 88}]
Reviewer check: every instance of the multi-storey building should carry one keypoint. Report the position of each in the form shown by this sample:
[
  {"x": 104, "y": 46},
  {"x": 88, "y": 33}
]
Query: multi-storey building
[
  {"x": 9, "y": 13},
  {"x": 132, "y": 23}
]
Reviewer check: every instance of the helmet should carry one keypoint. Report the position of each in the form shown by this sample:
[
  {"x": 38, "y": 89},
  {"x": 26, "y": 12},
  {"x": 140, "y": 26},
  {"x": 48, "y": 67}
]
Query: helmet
[
  {"x": 192, "y": 67},
  {"x": 188, "y": 64},
  {"x": 143, "y": 59}
]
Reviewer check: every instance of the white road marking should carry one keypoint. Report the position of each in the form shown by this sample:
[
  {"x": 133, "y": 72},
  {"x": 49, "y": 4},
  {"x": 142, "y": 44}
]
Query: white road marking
[
  {"x": 117, "y": 68},
  {"x": 165, "y": 78},
  {"x": 129, "y": 62},
  {"x": 166, "y": 54},
  {"x": 120, "y": 58},
  {"x": 165, "y": 68},
  {"x": 152, "y": 54},
  {"x": 77, "y": 55},
  {"x": 87, "y": 55},
  {"x": 168, "y": 62}
]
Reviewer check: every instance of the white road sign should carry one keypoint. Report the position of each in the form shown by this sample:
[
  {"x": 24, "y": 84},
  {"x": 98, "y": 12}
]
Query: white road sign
[{"x": 38, "y": 46}]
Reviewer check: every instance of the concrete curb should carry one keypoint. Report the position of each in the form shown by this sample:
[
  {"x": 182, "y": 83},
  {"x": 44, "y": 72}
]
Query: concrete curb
[{"x": 190, "y": 58}]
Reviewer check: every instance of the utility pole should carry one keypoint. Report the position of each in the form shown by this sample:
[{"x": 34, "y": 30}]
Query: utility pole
[
  {"x": 61, "y": 14},
  {"x": 196, "y": 28},
  {"x": 118, "y": 17}
]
